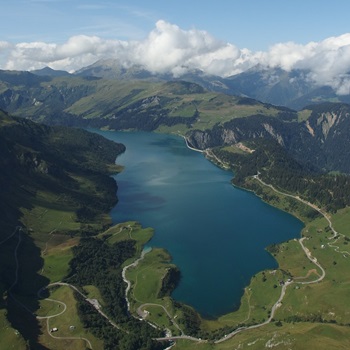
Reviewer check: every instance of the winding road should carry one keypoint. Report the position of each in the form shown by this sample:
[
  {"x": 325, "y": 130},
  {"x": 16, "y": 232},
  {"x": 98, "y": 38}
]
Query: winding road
[
  {"x": 135, "y": 263},
  {"x": 19, "y": 229},
  {"x": 139, "y": 309},
  {"x": 284, "y": 287}
]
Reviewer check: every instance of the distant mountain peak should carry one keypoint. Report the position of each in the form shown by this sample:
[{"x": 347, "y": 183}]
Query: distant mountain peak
[{"x": 47, "y": 71}]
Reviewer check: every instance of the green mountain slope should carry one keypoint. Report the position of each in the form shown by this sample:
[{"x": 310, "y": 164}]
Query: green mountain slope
[
  {"x": 38, "y": 158},
  {"x": 122, "y": 104},
  {"x": 294, "y": 89},
  {"x": 313, "y": 135},
  {"x": 52, "y": 180}
]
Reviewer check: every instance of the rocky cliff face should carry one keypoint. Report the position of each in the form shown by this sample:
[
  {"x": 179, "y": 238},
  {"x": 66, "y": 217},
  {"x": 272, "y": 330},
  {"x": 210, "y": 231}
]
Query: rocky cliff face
[
  {"x": 239, "y": 130},
  {"x": 322, "y": 141}
]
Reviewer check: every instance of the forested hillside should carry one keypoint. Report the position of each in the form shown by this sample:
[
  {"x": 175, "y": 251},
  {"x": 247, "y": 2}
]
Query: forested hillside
[
  {"x": 36, "y": 158},
  {"x": 55, "y": 185},
  {"x": 274, "y": 166}
]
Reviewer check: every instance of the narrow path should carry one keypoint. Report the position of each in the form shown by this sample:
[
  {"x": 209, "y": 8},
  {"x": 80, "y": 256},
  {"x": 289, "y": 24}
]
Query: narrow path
[
  {"x": 210, "y": 154},
  {"x": 190, "y": 147},
  {"x": 134, "y": 264},
  {"x": 141, "y": 314},
  {"x": 272, "y": 314},
  {"x": 47, "y": 318},
  {"x": 66, "y": 338},
  {"x": 96, "y": 306},
  {"x": 336, "y": 234},
  {"x": 20, "y": 229},
  {"x": 12, "y": 234},
  {"x": 249, "y": 307},
  {"x": 16, "y": 260},
  {"x": 314, "y": 260}
]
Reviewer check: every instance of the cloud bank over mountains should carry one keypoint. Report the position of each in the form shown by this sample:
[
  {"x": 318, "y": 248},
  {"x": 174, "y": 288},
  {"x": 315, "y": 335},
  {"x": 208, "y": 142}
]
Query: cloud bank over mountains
[{"x": 168, "y": 48}]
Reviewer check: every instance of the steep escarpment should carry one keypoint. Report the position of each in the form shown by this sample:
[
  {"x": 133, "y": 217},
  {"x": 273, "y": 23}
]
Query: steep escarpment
[
  {"x": 320, "y": 141},
  {"x": 236, "y": 130},
  {"x": 329, "y": 130}
]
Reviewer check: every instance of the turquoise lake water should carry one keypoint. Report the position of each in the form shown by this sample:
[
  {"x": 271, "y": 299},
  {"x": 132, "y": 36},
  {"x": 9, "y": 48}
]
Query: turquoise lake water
[{"x": 215, "y": 233}]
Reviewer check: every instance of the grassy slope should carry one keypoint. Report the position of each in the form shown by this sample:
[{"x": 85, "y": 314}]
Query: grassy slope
[
  {"x": 299, "y": 336},
  {"x": 64, "y": 322},
  {"x": 50, "y": 220},
  {"x": 104, "y": 98},
  {"x": 213, "y": 108}
]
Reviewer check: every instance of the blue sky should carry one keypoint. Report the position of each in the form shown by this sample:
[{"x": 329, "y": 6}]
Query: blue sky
[
  {"x": 222, "y": 37},
  {"x": 254, "y": 24}
]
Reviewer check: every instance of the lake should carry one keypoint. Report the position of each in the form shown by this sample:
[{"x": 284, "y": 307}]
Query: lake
[{"x": 215, "y": 233}]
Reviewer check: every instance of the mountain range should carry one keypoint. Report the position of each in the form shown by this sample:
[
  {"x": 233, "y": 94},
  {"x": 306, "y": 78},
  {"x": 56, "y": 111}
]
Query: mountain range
[
  {"x": 56, "y": 188},
  {"x": 208, "y": 118},
  {"x": 294, "y": 89}
]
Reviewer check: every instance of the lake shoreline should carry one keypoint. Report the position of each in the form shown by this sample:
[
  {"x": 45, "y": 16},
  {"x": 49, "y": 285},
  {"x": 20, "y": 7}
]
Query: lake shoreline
[{"x": 206, "y": 179}]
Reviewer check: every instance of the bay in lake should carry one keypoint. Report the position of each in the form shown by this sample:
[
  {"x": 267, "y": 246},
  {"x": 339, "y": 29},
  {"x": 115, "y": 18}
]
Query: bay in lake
[{"x": 215, "y": 233}]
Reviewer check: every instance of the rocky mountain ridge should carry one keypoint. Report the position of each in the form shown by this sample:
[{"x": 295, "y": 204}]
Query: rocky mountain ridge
[
  {"x": 209, "y": 119},
  {"x": 294, "y": 89}
]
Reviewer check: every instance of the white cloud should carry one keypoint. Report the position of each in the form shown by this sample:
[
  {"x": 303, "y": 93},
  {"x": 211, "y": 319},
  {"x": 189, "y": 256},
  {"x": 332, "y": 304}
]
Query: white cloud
[
  {"x": 77, "y": 52},
  {"x": 168, "y": 48}
]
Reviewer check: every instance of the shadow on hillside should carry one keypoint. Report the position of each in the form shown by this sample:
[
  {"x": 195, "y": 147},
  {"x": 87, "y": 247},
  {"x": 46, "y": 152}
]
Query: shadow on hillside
[{"x": 22, "y": 301}]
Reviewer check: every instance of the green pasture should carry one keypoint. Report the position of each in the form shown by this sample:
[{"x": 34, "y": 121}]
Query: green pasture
[
  {"x": 56, "y": 264},
  {"x": 233, "y": 149},
  {"x": 341, "y": 221},
  {"x": 308, "y": 300},
  {"x": 10, "y": 337},
  {"x": 64, "y": 322},
  {"x": 126, "y": 231},
  {"x": 299, "y": 336},
  {"x": 146, "y": 278},
  {"x": 184, "y": 109},
  {"x": 304, "y": 115},
  {"x": 112, "y": 93},
  {"x": 292, "y": 259},
  {"x": 178, "y": 129},
  {"x": 50, "y": 214},
  {"x": 157, "y": 315}
]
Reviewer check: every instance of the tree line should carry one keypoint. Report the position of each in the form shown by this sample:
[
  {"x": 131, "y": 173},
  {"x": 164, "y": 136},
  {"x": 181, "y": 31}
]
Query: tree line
[
  {"x": 275, "y": 166},
  {"x": 98, "y": 263}
]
